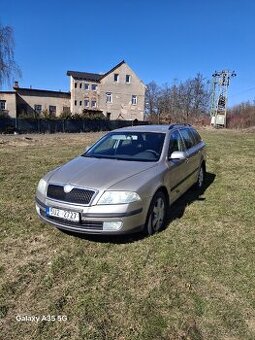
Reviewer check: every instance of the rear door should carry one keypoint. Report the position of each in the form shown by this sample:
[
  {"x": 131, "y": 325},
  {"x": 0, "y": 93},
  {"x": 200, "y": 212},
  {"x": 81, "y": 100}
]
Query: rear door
[{"x": 193, "y": 156}]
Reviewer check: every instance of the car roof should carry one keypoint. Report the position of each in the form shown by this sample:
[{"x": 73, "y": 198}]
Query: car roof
[{"x": 152, "y": 128}]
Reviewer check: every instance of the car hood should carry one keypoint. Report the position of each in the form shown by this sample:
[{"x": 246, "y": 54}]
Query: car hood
[{"x": 97, "y": 173}]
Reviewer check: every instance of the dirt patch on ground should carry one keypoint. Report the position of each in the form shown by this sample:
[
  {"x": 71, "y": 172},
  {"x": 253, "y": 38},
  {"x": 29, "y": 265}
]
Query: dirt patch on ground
[
  {"x": 250, "y": 129},
  {"x": 47, "y": 139}
]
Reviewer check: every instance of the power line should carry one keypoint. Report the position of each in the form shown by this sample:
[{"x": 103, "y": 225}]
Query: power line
[{"x": 244, "y": 91}]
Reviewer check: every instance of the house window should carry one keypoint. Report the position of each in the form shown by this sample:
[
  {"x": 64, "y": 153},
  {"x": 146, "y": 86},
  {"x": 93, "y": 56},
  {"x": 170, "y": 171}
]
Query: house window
[
  {"x": 86, "y": 102},
  {"x": 94, "y": 87},
  {"x": 93, "y": 103},
  {"x": 108, "y": 97},
  {"x": 75, "y": 102},
  {"x": 75, "y": 85},
  {"x": 66, "y": 109},
  {"x": 108, "y": 115},
  {"x": 38, "y": 108},
  {"x": 52, "y": 110},
  {"x": 128, "y": 78},
  {"x": 80, "y": 85},
  {"x": 116, "y": 77},
  {"x": 80, "y": 102},
  {"x": 134, "y": 99},
  {"x": 2, "y": 105},
  {"x": 86, "y": 86}
]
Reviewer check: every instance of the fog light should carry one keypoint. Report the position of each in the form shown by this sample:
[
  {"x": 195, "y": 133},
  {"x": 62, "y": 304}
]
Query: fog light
[
  {"x": 113, "y": 225},
  {"x": 37, "y": 209}
]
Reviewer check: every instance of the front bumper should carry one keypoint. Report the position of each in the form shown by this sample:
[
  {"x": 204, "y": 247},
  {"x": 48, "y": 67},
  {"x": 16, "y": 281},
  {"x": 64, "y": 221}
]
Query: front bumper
[{"x": 132, "y": 217}]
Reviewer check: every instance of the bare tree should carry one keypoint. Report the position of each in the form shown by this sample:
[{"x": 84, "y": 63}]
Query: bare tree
[
  {"x": 201, "y": 93},
  {"x": 8, "y": 66},
  {"x": 151, "y": 98},
  {"x": 180, "y": 102}
]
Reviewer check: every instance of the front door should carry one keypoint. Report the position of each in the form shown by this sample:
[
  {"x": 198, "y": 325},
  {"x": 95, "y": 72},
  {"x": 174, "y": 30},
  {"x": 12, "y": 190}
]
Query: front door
[{"x": 175, "y": 177}]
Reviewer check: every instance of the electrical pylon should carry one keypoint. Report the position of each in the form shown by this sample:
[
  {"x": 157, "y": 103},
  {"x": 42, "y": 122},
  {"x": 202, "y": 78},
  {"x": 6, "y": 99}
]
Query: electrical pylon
[{"x": 219, "y": 97}]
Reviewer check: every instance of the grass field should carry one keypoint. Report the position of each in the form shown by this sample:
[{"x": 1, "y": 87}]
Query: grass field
[{"x": 194, "y": 280}]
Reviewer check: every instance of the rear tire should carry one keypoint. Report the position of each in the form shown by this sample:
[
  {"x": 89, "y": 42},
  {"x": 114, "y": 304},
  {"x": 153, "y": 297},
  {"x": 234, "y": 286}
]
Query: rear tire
[{"x": 156, "y": 218}]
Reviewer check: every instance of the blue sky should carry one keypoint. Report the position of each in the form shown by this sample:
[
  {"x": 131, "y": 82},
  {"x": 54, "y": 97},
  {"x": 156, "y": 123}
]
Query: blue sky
[{"x": 161, "y": 40}]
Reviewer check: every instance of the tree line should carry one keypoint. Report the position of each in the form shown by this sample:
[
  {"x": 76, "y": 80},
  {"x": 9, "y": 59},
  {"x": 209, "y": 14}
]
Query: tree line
[
  {"x": 182, "y": 101},
  {"x": 241, "y": 115}
]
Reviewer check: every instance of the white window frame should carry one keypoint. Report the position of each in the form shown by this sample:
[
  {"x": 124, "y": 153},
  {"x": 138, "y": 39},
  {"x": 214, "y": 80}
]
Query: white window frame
[
  {"x": 36, "y": 108},
  {"x": 86, "y": 102},
  {"x": 134, "y": 99},
  {"x": 117, "y": 77},
  {"x": 2, "y": 105},
  {"x": 129, "y": 78},
  {"x": 108, "y": 97},
  {"x": 94, "y": 85}
]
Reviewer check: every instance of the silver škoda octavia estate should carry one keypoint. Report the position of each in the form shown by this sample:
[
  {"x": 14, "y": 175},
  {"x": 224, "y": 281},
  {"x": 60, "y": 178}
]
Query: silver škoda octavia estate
[{"x": 125, "y": 181}]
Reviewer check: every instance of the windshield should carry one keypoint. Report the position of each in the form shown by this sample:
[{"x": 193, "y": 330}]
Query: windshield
[{"x": 129, "y": 146}]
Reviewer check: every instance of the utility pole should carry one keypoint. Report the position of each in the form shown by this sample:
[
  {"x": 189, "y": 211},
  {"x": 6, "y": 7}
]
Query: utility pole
[{"x": 219, "y": 97}]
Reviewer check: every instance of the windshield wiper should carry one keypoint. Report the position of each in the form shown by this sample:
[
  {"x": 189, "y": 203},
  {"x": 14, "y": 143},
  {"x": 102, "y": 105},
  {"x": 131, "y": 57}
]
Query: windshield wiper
[{"x": 120, "y": 158}]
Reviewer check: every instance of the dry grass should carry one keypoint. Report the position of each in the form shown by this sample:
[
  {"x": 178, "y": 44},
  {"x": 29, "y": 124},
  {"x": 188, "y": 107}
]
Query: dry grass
[{"x": 194, "y": 280}]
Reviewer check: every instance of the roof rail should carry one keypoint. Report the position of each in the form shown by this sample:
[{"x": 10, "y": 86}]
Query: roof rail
[{"x": 178, "y": 124}]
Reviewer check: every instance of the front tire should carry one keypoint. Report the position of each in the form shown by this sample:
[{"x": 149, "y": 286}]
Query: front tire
[{"x": 156, "y": 218}]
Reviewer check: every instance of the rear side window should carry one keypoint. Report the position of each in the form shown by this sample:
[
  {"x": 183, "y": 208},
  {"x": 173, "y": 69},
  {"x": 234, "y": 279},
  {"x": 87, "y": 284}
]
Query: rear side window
[
  {"x": 196, "y": 136},
  {"x": 188, "y": 138}
]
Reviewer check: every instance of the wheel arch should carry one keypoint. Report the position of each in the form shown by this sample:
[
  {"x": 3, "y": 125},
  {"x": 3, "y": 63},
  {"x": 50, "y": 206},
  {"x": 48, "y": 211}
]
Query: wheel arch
[
  {"x": 203, "y": 164},
  {"x": 163, "y": 189}
]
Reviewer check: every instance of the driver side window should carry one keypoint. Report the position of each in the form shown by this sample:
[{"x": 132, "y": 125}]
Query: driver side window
[{"x": 175, "y": 143}]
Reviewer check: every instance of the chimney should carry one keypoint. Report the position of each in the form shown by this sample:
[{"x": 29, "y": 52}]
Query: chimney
[{"x": 16, "y": 85}]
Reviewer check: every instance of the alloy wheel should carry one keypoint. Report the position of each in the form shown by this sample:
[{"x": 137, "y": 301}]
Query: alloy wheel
[{"x": 157, "y": 213}]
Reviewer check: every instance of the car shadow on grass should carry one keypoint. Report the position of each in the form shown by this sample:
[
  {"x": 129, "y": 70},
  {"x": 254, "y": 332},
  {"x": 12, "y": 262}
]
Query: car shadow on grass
[{"x": 176, "y": 211}]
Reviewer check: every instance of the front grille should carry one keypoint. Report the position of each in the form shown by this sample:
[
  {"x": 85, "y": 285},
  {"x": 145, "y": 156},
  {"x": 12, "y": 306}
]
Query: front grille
[{"x": 80, "y": 196}]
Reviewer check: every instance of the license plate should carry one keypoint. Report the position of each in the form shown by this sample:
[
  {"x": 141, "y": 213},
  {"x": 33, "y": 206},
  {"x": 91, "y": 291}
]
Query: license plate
[{"x": 64, "y": 214}]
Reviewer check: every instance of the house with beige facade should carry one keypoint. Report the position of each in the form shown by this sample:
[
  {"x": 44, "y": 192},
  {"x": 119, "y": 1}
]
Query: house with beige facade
[{"x": 117, "y": 94}]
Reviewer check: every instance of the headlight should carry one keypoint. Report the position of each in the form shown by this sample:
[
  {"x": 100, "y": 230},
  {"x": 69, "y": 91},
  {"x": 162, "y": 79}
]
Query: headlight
[
  {"x": 42, "y": 185},
  {"x": 118, "y": 197}
]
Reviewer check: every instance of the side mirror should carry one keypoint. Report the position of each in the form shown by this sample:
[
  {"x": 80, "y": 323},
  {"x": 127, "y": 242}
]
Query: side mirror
[{"x": 177, "y": 155}]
